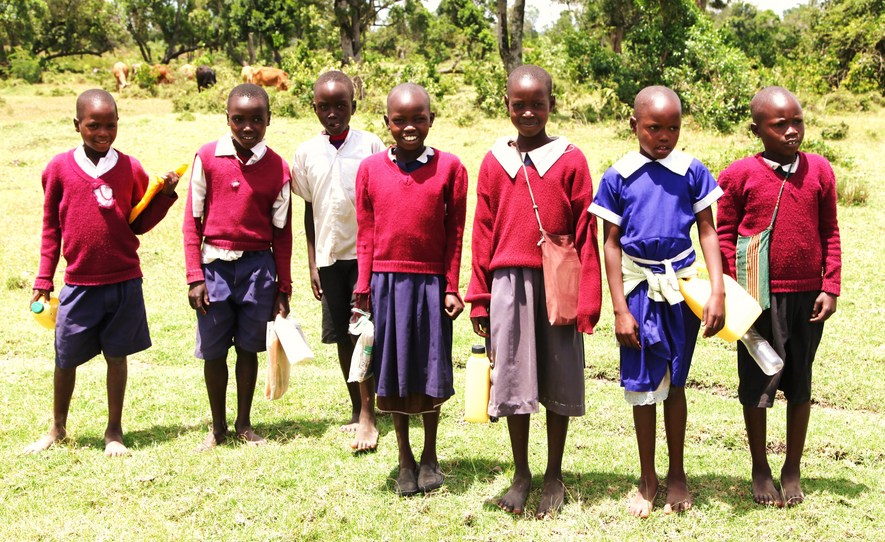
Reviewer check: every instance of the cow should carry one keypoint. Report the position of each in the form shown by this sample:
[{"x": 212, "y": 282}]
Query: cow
[
  {"x": 121, "y": 73},
  {"x": 271, "y": 77},
  {"x": 205, "y": 77},
  {"x": 187, "y": 70},
  {"x": 247, "y": 73},
  {"x": 162, "y": 74}
]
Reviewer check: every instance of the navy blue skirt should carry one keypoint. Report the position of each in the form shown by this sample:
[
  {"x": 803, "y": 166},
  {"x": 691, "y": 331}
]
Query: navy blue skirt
[{"x": 413, "y": 336}]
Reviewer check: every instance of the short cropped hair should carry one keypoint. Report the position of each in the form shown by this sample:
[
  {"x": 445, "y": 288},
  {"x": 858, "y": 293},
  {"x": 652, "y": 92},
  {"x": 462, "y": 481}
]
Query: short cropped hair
[
  {"x": 335, "y": 76},
  {"x": 530, "y": 71},
  {"x": 411, "y": 88},
  {"x": 249, "y": 90},
  {"x": 765, "y": 96},
  {"x": 649, "y": 95},
  {"x": 94, "y": 95}
]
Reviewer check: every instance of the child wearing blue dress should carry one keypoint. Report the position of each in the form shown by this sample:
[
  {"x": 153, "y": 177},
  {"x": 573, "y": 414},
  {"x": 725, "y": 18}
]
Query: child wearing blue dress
[{"x": 649, "y": 201}]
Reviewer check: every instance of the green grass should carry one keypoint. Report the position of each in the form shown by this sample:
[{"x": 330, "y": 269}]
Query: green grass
[{"x": 306, "y": 485}]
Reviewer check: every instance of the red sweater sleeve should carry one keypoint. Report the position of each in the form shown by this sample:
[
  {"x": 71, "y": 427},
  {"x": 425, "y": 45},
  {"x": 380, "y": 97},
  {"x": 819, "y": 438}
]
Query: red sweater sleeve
[
  {"x": 590, "y": 287},
  {"x": 729, "y": 213},
  {"x": 50, "y": 243},
  {"x": 831, "y": 246},
  {"x": 479, "y": 290},
  {"x": 156, "y": 209},
  {"x": 282, "y": 253},
  {"x": 193, "y": 242},
  {"x": 365, "y": 236},
  {"x": 456, "y": 211}
]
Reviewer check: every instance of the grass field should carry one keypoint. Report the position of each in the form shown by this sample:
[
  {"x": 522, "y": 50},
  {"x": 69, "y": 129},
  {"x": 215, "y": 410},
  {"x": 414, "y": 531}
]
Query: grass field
[{"x": 306, "y": 484}]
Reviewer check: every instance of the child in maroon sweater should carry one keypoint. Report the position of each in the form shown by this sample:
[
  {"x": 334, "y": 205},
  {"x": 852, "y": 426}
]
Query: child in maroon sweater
[
  {"x": 237, "y": 253},
  {"x": 89, "y": 193},
  {"x": 410, "y": 207},
  {"x": 805, "y": 273}
]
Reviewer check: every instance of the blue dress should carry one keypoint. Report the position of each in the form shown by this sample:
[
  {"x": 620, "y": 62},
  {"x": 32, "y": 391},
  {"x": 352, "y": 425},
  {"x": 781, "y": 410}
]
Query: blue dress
[{"x": 654, "y": 204}]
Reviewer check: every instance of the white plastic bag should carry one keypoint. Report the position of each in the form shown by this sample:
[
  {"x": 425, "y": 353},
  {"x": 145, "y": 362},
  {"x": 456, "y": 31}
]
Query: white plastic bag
[
  {"x": 293, "y": 340},
  {"x": 277, "y": 379},
  {"x": 361, "y": 362}
]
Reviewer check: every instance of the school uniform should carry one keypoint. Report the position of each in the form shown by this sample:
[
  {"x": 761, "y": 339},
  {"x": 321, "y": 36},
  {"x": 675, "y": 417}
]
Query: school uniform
[
  {"x": 411, "y": 224},
  {"x": 86, "y": 219},
  {"x": 238, "y": 239},
  {"x": 805, "y": 259},
  {"x": 324, "y": 175},
  {"x": 654, "y": 203},
  {"x": 535, "y": 363}
]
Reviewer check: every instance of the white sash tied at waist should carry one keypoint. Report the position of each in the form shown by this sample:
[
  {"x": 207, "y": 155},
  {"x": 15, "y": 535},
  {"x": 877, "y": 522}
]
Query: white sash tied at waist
[{"x": 661, "y": 286}]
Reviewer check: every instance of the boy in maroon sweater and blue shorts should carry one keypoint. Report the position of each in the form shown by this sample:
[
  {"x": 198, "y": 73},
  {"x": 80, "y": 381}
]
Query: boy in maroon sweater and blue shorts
[
  {"x": 89, "y": 194},
  {"x": 238, "y": 252},
  {"x": 805, "y": 267}
]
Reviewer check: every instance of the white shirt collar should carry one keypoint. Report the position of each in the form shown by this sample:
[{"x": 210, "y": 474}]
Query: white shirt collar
[
  {"x": 105, "y": 163},
  {"x": 424, "y": 158},
  {"x": 225, "y": 147},
  {"x": 791, "y": 168},
  {"x": 677, "y": 161},
  {"x": 543, "y": 158}
]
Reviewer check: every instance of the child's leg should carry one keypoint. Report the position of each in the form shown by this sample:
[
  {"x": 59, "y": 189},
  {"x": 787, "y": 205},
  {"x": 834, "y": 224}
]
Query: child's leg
[
  {"x": 675, "y": 418},
  {"x": 644, "y": 420},
  {"x": 430, "y": 476},
  {"x": 514, "y": 499},
  {"x": 247, "y": 375},
  {"x": 215, "y": 373},
  {"x": 62, "y": 390},
  {"x": 797, "y": 428},
  {"x": 764, "y": 492},
  {"x": 366, "y": 433},
  {"x": 345, "y": 355},
  {"x": 553, "y": 490},
  {"x": 406, "y": 481},
  {"x": 113, "y": 435}
]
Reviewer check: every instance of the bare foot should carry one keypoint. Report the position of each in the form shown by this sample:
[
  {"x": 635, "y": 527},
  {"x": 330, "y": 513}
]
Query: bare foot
[
  {"x": 678, "y": 497},
  {"x": 210, "y": 442},
  {"x": 792, "y": 488},
  {"x": 764, "y": 491},
  {"x": 366, "y": 437},
  {"x": 641, "y": 504},
  {"x": 349, "y": 427},
  {"x": 45, "y": 442},
  {"x": 514, "y": 500},
  {"x": 115, "y": 448},
  {"x": 552, "y": 496},
  {"x": 250, "y": 438}
]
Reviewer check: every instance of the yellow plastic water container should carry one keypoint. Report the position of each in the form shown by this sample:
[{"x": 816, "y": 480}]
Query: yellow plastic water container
[
  {"x": 476, "y": 387},
  {"x": 44, "y": 312},
  {"x": 741, "y": 310}
]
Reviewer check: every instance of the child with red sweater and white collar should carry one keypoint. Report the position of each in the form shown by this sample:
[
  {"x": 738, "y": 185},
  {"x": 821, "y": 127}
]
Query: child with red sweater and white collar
[
  {"x": 237, "y": 252},
  {"x": 89, "y": 194}
]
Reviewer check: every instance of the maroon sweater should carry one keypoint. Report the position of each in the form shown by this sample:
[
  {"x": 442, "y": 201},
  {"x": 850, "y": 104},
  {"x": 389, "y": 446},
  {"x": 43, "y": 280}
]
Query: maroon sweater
[
  {"x": 238, "y": 212},
  {"x": 505, "y": 230},
  {"x": 410, "y": 222},
  {"x": 98, "y": 243},
  {"x": 805, "y": 253}
]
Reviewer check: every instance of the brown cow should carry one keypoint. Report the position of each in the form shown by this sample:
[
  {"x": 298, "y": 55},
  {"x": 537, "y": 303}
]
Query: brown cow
[
  {"x": 247, "y": 73},
  {"x": 271, "y": 77},
  {"x": 162, "y": 74},
  {"x": 121, "y": 74}
]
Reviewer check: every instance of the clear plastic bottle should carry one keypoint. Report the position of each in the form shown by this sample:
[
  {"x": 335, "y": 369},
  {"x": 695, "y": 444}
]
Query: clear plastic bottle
[
  {"x": 476, "y": 386},
  {"x": 44, "y": 312},
  {"x": 762, "y": 352}
]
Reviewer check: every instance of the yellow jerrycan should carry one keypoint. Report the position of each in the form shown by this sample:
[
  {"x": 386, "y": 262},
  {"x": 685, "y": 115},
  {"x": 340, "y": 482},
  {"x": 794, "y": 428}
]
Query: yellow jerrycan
[
  {"x": 741, "y": 310},
  {"x": 476, "y": 387},
  {"x": 44, "y": 312}
]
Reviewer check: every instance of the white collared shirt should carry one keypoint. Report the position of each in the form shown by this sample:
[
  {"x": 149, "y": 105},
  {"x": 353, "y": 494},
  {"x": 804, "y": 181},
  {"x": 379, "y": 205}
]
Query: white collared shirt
[
  {"x": 225, "y": 147},
  {"x": 505, "y": 152},
  {"x": 325, "y": 177},
  {"x": 677, "y": 161},
  {"x": 787, "y": 168},
  {"x": 105, "y": 163},
  {"x": 424, "y": 158}
]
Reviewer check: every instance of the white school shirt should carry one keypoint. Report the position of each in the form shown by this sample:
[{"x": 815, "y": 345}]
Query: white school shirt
[
  {"x": 103, "y": 193},
  {"x": 326, "y": 178},
  {"x": 785, "y": 168},
  {"x": 225, "y": 147}
]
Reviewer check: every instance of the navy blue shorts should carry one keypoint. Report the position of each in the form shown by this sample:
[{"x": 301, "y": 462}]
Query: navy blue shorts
[
  {"x": 96, "y": 319},
  {"x": 241, "y": 298},
  {"x": 338, "y": 281}
]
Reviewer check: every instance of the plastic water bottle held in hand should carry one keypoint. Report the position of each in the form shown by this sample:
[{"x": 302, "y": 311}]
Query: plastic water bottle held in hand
[
  {"x": 44, "y": 312},
  {"x": 476, "y": 387},
  {"x": 762, "y": 352}
]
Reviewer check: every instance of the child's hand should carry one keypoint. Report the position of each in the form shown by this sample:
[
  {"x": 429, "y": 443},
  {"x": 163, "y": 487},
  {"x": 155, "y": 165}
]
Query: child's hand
[
  {"x": 362, "y": 302},
  {"x": 38, "y": 294},
  {"x": 480, "y": 325},
  {"x": 627, "y": 330},
  {"x": 454, "y": 306},
  {"x": 198, "y": 297},
  {"x": 281, "y": 305},
  {"x": 714, "y": 315},
  {"x": 824, "y": 307},
  {"x": 315, "y": 283},
  {"x": 170, "y": 181}
]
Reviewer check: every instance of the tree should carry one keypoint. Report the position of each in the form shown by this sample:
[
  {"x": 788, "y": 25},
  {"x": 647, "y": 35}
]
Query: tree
[
  {"x": 352, "y": 18},
  {"x": 182, "y": 25},
  {"x": 510, "y": 32},
  {"x": 465, "y": 26},
  {"x": 852, "y": 34},
  {"x": 20, "y": 24}
]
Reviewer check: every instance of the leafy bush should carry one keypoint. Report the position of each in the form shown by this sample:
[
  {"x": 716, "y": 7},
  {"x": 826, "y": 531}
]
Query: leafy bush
[
  {"x": 23, "y": 65},
  {"x": 490, "y": 82},
  {"x": 852, "y": 189},
  {"x": 835, "y": 131}
]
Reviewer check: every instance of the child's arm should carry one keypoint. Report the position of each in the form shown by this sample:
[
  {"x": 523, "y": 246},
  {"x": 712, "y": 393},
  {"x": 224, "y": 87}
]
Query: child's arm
[
  {"x": 586, "y": 244},
  {"x": 714, "y": 309},
  {"x": 453, "y": 305},
  {"x": 310, "y": 236},
  {"x": 192, "y": 229},
  {"x": 825, "y": 304},
  {"x": 626, "y": 328},
  {"x": 50, "y": 242},
  {"x": 456, "y": 212},
  {"x": 729, "y": 213},
  {"x": 159, "y": 206},
  {"x": 281, "y": 245},
  {"x": 479, "y": 289},
  {"x": 365, "y": 239}
]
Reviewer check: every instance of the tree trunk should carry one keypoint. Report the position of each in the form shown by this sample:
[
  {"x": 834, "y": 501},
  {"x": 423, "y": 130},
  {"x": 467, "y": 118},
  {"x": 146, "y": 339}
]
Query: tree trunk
[
  {"x": 348, "y": 19},
  {"x": 250, "y": 45},
  {"x": 510, "y": 34},
  {"x": 616, "y": 35},
  {"x": 702, "y": 5}
]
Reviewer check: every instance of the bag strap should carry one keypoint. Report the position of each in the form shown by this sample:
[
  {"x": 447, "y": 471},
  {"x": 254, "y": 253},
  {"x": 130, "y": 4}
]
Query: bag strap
[
  {"x": 779, "y": 194},
  {"x": 531, "y": 194}
]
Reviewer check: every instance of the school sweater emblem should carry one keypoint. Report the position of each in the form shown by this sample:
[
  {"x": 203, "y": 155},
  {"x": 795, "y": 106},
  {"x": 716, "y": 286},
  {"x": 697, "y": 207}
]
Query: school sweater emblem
[{"x": 104, "y": 195}]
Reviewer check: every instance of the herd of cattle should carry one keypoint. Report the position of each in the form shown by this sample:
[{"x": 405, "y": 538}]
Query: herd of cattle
[{"x": 204, "y": 75}]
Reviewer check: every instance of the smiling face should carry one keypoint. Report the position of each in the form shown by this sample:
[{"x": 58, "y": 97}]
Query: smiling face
[
  {"x": 656, "y": 123},
  {"x": 333, "y": 104},
  {"x": 529, "y": 103},
  {"x": 779, "y": 124},
  {"x": 248, "y": 118},
  {"x": 97, "y": 125},
  {"x": 409, "y": 120}
]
